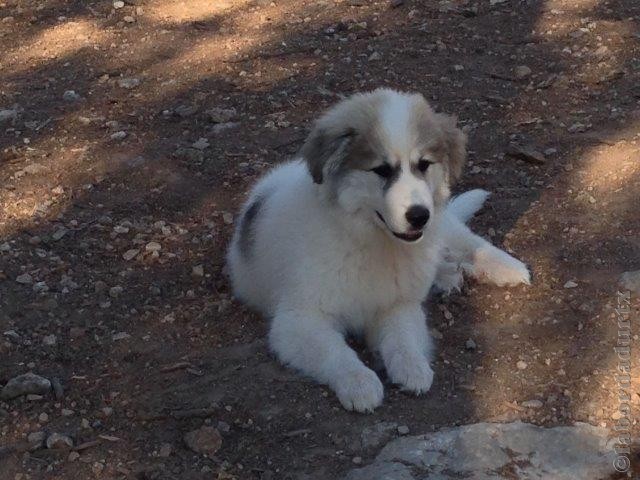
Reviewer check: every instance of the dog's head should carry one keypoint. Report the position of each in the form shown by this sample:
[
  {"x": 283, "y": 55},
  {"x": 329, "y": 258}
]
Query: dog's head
[{"x": 387, "y": 158}]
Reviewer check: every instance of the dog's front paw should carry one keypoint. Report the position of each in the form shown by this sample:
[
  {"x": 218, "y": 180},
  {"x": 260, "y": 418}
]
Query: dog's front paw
[
  {"x": 412, "y": 372},
  {"x": 360, "y": 390},
  {"x": 498, "y": 267}
]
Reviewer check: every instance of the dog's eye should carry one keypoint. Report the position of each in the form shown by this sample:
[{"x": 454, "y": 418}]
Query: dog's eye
[
  {"x": 384, "y": 170},
  {"x": 423, "y": 165}
]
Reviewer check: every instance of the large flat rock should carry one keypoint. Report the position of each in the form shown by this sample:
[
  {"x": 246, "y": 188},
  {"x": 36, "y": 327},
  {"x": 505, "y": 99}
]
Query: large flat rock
[{"x": 496, "y": 451}]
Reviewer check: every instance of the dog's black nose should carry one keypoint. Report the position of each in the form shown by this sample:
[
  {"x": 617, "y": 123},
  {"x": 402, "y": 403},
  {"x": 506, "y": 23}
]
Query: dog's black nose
[{"x": 417, "y": 216}]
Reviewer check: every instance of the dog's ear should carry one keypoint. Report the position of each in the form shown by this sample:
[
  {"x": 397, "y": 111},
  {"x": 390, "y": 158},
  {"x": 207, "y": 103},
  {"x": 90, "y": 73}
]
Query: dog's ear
[
  {"x": 455, "y": 145},
  {"x": 325, "y": 149}
]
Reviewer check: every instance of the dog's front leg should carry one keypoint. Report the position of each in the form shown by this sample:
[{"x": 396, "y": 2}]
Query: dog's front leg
[
  {"x": 479, "y": 258},
  {"x": 311, "y": 342},
  {"x": 401, "y": 337}
]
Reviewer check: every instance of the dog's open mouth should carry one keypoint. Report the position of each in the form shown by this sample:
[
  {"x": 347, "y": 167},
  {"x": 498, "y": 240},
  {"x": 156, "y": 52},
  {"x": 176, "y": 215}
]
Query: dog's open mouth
[{"x": 413, "y": 236}]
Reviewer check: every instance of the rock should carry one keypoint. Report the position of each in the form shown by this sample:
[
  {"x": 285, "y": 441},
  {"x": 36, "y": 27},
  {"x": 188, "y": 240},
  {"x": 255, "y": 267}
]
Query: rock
[
  {"x": 521, "y": 72},
  {"x": 153, "y": 247},
  {"x": 24, "y": 279},
  {"x": 59, "y": 233},
  {"x": 377, "y": 435},
  {"x": 227, "y": 218},
  {"x": 570, "y": 284},
  {"x": 73, "y": 456},
  {"x": 129, "y": 19},
  {"x": 525, "y": 154},
  {"x": 120, "y": 336},
  {"x": 165, "y": 450},
  {"x": 496, "y": 451},
  {"x": 36, "y": 439},
  {"x": 221, "y": 127},
  {"x": 521, "y": 365},
  {"x": 375, "y": 56},
  {"x": 128, "y": 83},
  {"x": 24, "y": 385},
  {"x": 185, "y": 111},
  {"x": 221, "y": 115},
  {"x": 130, "y": 254},
  {"x": 49, "y": 340},
  {"x": 197, "y": 271},
  {"x": 99, "y": 286},
  {"x": 532, "y": 404},
  {"x": 470, "y": 344},
  {"x": 357, "y": 460},
  {"x": 403, "y": 430},
  {"x": 7, "y": 116},
  {"x": 118, "y": 4},
  {"x": 71, "y": 96},
  {"x": 121, "y": 135},
  {"x": 66, "y": 412},
  {"x": 189, "y": 154},
  {"x": 43, "y": 417},
  {"x": 205, "y": 440},
  {"x": 396, "y": 3},
  {"x": 59, "y": 441},
  {"x": 40, "y": 287},
  {"x": 114, "y": 292},
  {"x": 201, "y": 144},
  {"x": 631, "y": 281}
]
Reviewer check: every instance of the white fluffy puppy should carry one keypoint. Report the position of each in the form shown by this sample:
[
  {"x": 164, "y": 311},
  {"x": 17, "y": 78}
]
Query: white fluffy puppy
[{"x": 350, "y": 237}]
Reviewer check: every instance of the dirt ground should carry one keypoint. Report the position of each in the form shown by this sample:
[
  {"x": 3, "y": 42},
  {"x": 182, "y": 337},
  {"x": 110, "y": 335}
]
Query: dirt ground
[{"x": 132, "y": 136}]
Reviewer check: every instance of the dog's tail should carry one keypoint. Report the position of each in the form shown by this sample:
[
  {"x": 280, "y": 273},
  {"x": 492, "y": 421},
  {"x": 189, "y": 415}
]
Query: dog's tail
[{"x": 465, "y": 205}]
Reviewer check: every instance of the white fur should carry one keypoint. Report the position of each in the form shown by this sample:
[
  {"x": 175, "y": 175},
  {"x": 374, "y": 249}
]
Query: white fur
[{"x": 323, "y": 266}]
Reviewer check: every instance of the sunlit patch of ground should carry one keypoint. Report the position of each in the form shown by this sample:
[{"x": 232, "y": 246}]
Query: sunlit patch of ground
[{"x": 55, "y": 42}]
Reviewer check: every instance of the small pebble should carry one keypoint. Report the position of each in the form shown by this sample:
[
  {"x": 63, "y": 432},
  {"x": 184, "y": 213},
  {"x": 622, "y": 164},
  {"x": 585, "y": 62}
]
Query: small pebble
[
  {"x": 521, "y": 365},
  {"x": 532, "y": 404},
  {"x": 403, "y": 430}
]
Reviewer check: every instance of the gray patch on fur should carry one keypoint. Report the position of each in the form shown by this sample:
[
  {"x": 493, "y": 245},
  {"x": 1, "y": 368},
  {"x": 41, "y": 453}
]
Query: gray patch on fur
[
  {"x": 247, "y": 226},
  {"x": 388, "y": 182}
]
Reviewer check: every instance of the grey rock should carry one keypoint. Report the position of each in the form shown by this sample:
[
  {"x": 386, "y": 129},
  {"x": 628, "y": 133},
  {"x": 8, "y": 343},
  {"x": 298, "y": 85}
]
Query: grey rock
[
  {"x": 7, "y": 116},
  {"x": 36, "y": 439},
  {"x": 24, "y": 385},
  {"x": 384, "y": 471},
  {"x": 185, "y": 111},
  {"x": 71, "y": 96},
  {"x": 189, "y": 154},
  {"x": 121, "y": 135},
  {"x": 205, "y": 440},
  {"x": 496, "y": 451},
  {"x": 377, "y": 435},
  {"x": 128, "y": 83},
  {"x": 532, "y": 403},
  {"x": 521, "y": 72},
  {"x": 526, "y": 154},
  {"x": 631, "y": 281},
  {"x": 59, "y": 441},
  {"x": 221, "y": 127},
  {"x": 24, "y": 279},
  {"x": 49, "y": 340},
  {"x": 201, "y": 144},
  {"x": 470, "y": 344},
  {"x": 221, "y": 115}
]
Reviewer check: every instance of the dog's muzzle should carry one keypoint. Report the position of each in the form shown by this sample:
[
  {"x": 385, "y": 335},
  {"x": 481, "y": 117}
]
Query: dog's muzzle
[{"x": 410, "y": 237}]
